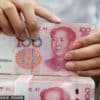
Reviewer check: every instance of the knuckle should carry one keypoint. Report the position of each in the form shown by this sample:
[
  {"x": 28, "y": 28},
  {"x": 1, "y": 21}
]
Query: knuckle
[
  {"x": 79, "y": 67},
  {"x": 74, "y": 54},
  {"x": 9, "y": 7},
  {"x": 78, "y": 54},
  {"x": 84, "y": 41}
]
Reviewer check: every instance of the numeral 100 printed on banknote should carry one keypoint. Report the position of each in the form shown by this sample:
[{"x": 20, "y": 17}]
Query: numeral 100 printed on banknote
[{"x": 44, "y": 56}]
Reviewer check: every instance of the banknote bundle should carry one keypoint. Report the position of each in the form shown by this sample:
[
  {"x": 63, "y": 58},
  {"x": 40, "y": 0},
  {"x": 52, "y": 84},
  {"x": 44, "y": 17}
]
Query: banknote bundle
[
  {"x": 37, "y": 67},
  {"x": 47, "y": 87},
  {"x": 44, "y": 56}
]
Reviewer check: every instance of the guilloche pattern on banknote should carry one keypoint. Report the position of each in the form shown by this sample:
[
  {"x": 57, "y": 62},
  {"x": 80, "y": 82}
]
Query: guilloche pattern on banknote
[{"x": 45, "y": 56}]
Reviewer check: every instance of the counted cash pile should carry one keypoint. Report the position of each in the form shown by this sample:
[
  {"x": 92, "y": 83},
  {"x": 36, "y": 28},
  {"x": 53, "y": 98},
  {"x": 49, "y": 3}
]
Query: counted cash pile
[
  {"x": 42, "y": 65},
  {"x": 47, "y": 87},
  {"x": 45, "y": 56}
]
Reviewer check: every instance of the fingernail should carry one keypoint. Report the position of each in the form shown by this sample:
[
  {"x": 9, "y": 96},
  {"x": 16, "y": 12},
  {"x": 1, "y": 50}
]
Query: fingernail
[
  {"x": 22, "y": 36},
  {"x": 35, "y": 35},
  {"x": 56, "y": 19},
  {"x": 68, "y": 56},
  {"x": 70, "y": 66},
  {"x": 75, "y": 46},
  {"x": 82, "y": 73}
]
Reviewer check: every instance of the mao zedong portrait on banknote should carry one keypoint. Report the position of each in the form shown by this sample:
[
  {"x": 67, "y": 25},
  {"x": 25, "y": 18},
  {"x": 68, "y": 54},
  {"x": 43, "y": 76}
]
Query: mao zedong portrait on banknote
[
  {"x": 61, "y": 39},
  {"x": 54, "y": 93}
]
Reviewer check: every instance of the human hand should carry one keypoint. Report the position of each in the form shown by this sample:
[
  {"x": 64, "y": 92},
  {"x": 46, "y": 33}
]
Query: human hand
[
  {"x": 85, "y": 55},
  {"x": 11, "y": 22}
]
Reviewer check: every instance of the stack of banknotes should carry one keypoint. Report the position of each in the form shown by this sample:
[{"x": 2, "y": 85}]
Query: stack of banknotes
[
  {"x": 47, "y": 87},
  {"x": 44, "y": 60}
]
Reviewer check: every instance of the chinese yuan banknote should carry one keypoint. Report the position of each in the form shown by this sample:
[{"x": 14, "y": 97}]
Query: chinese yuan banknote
[
  {"x": 7, "y": 84},
  {"x": 44, "y": 56},
  {"x": 50, "y": 88}
]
